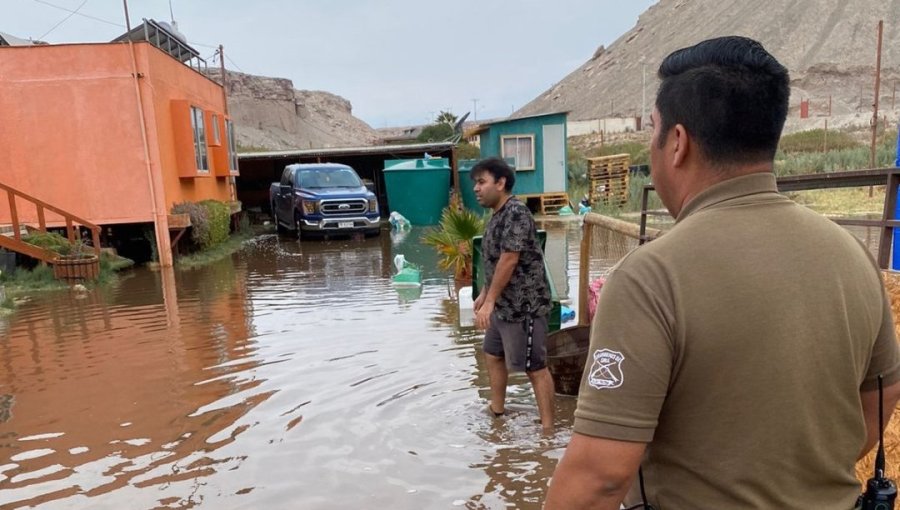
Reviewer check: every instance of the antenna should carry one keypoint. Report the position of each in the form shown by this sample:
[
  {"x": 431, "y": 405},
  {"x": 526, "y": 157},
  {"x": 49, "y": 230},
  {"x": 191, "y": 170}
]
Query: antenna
[
  {"x": 879, "y": 457},
  {"x": 880, "y": 492},
  {"x": 172, "y": 16}
]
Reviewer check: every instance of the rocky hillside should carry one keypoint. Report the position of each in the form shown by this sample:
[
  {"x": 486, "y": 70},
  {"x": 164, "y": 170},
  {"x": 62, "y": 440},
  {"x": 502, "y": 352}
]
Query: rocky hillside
[
  {"x": 828, "y": 45},
  {"x": 270, "y": 114}
]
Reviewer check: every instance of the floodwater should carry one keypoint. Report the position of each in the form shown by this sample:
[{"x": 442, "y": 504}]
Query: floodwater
[{"x": 290, "y": 376}]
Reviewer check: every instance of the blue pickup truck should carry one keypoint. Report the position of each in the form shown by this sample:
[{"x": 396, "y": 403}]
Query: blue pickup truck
[{"x": 324, "y": 199}]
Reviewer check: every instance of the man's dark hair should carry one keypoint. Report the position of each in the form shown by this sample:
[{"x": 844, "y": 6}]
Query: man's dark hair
[
  {"x": 730, "y": 94},
  {"x": 497, "y": 168}
]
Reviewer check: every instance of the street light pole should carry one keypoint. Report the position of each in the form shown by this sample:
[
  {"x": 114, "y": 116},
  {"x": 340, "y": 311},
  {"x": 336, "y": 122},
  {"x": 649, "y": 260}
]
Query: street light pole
[{"x": 474, "y": 108}]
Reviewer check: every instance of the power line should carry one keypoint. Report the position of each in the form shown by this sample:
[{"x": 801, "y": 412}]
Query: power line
[
  {"x": 79, "y": 13},
  {"x": 41, "y": 37},
  {"x": 234, "y": 64}
]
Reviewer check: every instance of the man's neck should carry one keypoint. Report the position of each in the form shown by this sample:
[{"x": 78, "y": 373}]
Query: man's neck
[
  {"x": 715, "y": 177},
  {"x": 505, "y": 198}
]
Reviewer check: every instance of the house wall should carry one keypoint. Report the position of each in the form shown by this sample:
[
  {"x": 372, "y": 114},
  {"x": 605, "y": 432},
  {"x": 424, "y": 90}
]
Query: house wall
[
  {"x": 171, "y": 83},
  {"x": 71, "y": 131},
  {"x": 609, "y": 125},
  {"x": 527, "y": 181}
]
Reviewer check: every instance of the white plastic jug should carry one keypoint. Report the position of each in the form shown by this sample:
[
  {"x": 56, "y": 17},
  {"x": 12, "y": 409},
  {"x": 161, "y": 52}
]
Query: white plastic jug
[{"x": 466, "y": 307}]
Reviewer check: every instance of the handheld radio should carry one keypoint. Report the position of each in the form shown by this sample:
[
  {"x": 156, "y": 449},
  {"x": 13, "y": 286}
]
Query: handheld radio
[{"x": 881, "y": 492}]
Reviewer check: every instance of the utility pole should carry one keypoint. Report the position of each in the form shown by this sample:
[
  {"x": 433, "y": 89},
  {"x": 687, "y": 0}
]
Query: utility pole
[
  {"x": 643, "y": 91},
  {"x": 474, "y": 109},
  {"x": 127, "y": 19},
  {"x": 875, "y": 104}
]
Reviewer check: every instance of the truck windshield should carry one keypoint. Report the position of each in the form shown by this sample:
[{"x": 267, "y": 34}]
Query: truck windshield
[{"x": 329, "y": 178}]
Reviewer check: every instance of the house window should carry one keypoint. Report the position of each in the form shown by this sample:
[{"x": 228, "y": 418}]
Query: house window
[
  {"x": 199, "y": 130},
  {"x": 519, "y": 149},
  {"x": 216, "y": 136},
  {"x": 232, "y": 152}
]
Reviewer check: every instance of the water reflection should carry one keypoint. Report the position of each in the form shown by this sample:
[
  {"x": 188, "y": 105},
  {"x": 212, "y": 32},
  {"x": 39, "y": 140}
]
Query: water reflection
[
  {"x": 107, "y": 390},
  {"x": 291, "y": 376}
]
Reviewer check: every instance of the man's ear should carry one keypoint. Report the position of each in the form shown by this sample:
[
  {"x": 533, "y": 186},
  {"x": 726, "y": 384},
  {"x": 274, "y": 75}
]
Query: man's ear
[
  {"x": 682, "y": 147},
  {"x": 502, "y": 182}
]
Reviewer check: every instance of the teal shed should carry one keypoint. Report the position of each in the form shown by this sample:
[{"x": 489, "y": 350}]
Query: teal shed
[{"x": 536, "y": 148}]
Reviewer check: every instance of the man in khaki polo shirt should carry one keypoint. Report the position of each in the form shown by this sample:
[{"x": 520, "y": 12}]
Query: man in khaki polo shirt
[{"x": 735, "y": 358}]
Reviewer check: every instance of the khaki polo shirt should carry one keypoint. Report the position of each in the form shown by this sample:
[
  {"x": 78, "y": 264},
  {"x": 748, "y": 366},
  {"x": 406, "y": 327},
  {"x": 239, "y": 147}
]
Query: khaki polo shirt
[{"x": 737, "y": 345}]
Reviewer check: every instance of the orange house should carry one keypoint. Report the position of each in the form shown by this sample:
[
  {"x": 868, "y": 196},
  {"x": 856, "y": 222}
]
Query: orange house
[{"x": 115, "y": 133}]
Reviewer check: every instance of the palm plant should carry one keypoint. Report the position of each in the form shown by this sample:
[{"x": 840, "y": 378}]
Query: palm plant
[{"x": 453, "y": 240}]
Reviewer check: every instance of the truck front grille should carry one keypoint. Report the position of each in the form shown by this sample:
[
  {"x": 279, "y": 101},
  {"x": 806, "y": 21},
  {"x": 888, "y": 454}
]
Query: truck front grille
[{"x": 343, "y": 207}]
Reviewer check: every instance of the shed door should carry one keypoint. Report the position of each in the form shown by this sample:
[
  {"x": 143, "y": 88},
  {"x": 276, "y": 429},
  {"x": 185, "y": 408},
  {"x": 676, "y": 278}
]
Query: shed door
[{"x": 554, "y": 158}]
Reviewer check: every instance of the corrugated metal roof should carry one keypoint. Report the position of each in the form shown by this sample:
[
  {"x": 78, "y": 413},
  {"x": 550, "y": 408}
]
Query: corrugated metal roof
[
  {"x": 346, "y": 151},
  {"x": 11, "y": 40},
  {"x": 510, "y": 119}
]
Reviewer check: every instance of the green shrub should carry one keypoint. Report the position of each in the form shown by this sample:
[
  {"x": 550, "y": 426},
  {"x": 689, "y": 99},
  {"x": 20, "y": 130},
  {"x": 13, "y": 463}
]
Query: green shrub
[
  {"x": 219, "y": 215},
  {"x": 466, "y": 150},
  {"x": 200, "y": 230},
  {"x": 815, "y": 140},
  {"x": 857, "y": 158},
  {"x": 436, "y": 133},
  {"x": 49, "y": 241}
]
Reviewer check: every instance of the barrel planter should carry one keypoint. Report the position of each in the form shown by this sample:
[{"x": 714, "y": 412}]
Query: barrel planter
[{"x": 76, "y": 269}]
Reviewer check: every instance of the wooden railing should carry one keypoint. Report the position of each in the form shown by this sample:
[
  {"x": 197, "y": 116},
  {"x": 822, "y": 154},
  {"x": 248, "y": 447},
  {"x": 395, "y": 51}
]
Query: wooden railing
[
  {"x": 889, "y": 177},
  {"x": 73, "y": 226}
]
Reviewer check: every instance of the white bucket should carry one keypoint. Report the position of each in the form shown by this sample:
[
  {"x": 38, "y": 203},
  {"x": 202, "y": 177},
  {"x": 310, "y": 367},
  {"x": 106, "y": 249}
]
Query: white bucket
[{"x": 466, "y": 306}]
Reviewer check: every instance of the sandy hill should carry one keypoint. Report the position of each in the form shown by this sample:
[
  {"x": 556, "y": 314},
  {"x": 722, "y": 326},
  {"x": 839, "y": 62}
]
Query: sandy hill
[
  {"x": 270, "y": 114},
  {"x": 828, "y": 45}
]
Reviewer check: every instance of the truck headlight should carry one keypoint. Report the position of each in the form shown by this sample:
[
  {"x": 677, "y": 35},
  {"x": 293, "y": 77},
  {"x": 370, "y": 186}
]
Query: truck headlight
[
  {"x": 309, "y": 206},
  {"x": 373, "y": 205}
]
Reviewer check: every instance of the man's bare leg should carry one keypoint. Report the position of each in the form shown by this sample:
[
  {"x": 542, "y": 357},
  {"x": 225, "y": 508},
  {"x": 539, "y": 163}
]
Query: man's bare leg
[
  {"x": 499, "y": 376},
  {"x": 545, "y": 395}
]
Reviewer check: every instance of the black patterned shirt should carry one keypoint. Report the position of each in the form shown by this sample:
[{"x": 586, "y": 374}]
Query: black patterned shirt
[{"x": 511, "y": 229}]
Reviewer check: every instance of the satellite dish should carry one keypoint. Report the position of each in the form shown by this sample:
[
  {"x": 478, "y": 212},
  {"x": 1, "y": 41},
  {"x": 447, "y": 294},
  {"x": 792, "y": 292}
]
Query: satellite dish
[{"x": 457, "y": 128}]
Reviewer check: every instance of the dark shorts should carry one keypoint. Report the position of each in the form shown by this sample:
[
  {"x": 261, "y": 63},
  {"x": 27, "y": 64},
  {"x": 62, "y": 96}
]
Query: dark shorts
[{"x": 522, "y": 344}]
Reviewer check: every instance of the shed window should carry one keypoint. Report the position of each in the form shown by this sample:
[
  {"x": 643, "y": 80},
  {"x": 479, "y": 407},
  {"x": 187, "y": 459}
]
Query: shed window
[
  {"x": 199, "y": 129},
  {"x": 519, "y": 149}
]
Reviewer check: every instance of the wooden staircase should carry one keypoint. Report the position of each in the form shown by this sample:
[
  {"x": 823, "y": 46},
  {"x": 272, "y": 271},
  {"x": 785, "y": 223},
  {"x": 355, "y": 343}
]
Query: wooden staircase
[{"x": 12, "y": 233}]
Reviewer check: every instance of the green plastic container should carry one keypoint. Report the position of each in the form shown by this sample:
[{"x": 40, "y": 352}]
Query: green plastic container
[
  {"x": 553, "y": 321},
  {"x": 419, "y": 189},
  {"x": 466, "y": 186}
]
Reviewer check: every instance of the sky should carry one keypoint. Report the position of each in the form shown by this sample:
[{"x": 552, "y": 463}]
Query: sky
[{"x": 399, "y": 62}]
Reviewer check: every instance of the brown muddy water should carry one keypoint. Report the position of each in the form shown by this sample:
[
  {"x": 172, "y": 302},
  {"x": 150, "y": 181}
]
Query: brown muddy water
[{"x": 291, "y": 376}]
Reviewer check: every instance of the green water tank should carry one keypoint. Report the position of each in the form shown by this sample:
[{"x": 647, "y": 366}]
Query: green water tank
[
  {"x": 466, "y": 186},
  {"x": 419, "y": 189}
]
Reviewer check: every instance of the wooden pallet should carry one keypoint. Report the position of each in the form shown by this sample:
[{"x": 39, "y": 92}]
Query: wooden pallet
[
  {"x": 608, "y": 177},
  {"x": 551, "y": 203}
]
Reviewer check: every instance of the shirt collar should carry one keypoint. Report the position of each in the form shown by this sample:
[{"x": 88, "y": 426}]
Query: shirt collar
[{"x": 736, "y": 187}]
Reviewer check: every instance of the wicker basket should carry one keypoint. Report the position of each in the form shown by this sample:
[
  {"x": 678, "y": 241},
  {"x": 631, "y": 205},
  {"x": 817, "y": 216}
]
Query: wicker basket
[
  {"x": 567, "y": 351},
  {"x": 76, "y": 269}
]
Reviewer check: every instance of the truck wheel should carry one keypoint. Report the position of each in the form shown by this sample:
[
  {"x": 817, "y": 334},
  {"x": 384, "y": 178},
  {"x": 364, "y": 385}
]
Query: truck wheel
[
  {"x": 299, "y": 231},
  {"x": 278, "y": 227}
]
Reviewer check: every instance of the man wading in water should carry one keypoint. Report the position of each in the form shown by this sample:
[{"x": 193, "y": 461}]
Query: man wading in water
[
  {"x": 741, "y": 350},
  {"x": 514, "y": 303}
]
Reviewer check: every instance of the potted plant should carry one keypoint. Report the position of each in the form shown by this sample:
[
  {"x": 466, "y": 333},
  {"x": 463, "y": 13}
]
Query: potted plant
[{"x": 76, "y": 263}]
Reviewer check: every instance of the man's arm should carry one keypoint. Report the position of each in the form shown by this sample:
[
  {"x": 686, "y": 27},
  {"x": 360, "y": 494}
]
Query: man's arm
[
  {"x": 595, "y": 473},
  {"x": 870, "y": 412},
  {"x": 502, "y": 274}
]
